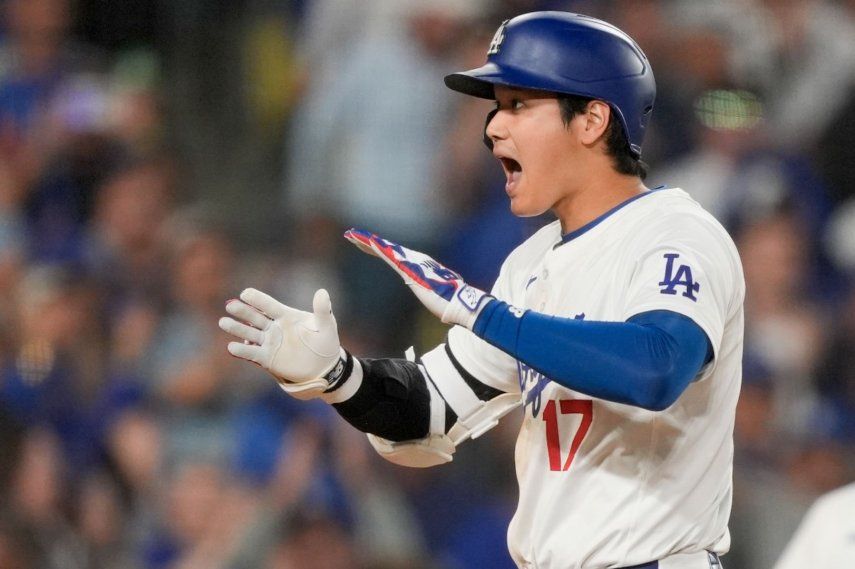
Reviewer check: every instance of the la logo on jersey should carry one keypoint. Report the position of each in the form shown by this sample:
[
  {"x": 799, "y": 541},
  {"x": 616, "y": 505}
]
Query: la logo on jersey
[
  {"x": 498, "y": 38},
  {"x": 682, "y": 278}
]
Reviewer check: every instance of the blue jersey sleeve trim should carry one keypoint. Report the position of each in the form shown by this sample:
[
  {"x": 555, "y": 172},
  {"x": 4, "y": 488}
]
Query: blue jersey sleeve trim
[
  {"x": 591, "y": 224},
  {"x": 647, "y": 361}
]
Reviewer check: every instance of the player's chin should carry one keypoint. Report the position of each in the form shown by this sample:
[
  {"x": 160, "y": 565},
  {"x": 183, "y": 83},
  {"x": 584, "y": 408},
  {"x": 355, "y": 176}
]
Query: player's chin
[{"x": 522, "y": 207}]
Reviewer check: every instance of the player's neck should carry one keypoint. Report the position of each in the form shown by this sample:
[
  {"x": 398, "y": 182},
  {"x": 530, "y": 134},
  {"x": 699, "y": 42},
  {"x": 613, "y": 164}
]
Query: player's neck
[{"x": 595, "y": 197}]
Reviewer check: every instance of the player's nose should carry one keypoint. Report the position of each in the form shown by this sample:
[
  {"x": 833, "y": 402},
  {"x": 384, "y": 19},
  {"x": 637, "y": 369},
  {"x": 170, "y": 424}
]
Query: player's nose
[{"x": 495, "y": 128}]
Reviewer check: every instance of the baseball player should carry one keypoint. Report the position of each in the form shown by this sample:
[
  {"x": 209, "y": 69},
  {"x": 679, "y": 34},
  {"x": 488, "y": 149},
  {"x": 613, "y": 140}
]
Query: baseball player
[{"x": 617, "y": 328}]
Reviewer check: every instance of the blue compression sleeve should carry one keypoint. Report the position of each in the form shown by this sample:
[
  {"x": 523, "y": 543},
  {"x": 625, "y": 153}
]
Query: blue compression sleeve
[{"x": 647, "y": 361}]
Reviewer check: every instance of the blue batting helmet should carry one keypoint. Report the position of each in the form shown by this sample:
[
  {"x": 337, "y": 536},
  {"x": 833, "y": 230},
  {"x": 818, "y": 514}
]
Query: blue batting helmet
[{"x": 569, "y": 54}]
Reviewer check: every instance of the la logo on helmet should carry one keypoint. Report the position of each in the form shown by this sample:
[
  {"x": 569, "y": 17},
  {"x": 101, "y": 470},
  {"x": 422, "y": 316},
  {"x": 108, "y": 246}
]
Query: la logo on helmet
[{"x": 498, "y": 38}]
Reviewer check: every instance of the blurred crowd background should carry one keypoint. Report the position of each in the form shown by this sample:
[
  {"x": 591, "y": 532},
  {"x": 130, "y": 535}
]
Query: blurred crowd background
[{"x": 158, "y": 157}]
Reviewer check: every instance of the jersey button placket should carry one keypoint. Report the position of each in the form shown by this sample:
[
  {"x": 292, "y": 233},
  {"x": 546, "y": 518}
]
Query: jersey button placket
[{"x": 544, "y": 277}]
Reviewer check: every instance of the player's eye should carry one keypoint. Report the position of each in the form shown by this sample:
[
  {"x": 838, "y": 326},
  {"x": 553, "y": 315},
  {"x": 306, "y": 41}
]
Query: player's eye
[{"x": 513, "y": 104}]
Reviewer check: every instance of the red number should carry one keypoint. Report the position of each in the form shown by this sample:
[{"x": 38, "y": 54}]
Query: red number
[{"x": 582, "y": 407}]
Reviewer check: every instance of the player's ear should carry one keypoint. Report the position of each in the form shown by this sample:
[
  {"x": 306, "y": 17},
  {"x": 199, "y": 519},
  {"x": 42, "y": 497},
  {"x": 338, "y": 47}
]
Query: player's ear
[{"x": 597, "y": 115}]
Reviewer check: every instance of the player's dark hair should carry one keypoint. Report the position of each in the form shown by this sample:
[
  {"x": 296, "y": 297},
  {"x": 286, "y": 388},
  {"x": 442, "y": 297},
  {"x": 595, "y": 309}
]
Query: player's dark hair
[{"x": 617, "y": 145}]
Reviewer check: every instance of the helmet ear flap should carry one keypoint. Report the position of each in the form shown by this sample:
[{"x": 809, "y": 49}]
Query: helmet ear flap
[{"x": 487, "y": 140}]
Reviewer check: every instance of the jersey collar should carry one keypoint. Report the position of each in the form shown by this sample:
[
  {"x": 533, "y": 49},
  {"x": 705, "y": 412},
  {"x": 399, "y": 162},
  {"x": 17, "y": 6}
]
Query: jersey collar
[{"x": 593, "y": 223}]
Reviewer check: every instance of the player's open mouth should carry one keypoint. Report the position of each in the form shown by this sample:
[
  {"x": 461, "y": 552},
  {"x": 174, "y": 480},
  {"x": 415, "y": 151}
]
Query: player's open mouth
[{"x": 513, "y": 170}]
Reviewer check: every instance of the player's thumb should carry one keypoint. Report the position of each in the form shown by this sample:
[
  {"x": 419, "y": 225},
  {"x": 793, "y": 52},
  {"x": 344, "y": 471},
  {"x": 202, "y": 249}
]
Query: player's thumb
[{"x": 322, "y": 309}]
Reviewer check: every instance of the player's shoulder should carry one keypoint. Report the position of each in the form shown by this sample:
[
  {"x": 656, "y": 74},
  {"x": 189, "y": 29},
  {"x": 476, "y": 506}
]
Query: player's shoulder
[
  {"x": 669, "y": 212},
  {"x": 670, "y": 219},
  {"x": 673, "y": 204}
]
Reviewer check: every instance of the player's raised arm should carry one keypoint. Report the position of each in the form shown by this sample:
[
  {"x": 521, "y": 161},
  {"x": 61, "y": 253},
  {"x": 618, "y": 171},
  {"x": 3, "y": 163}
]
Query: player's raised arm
[
  {"x": 414, "y": 417},
  {"x": 646, "y": 361}
]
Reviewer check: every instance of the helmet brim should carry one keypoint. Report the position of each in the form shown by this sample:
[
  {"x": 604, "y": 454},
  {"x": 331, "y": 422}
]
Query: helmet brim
[
  {"x": 480, "y": 82},
  {"x": 471, "y": 83}
]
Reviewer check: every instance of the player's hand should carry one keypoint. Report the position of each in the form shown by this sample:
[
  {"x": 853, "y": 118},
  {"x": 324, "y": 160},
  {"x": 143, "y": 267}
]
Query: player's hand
[
  {"x": 301, "y": 349},
  {"x": 440, "y": 289}
]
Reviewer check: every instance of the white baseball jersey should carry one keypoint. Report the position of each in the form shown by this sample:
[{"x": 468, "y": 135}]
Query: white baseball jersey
[
  {"x": 826, "y": 537},
  {"x": 604, "y": 484}
]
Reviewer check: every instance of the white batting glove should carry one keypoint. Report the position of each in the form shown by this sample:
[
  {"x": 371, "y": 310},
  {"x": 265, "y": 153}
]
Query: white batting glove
[
  {"x": 300, "y": 349},
  {"x": 440, "y": 289}
]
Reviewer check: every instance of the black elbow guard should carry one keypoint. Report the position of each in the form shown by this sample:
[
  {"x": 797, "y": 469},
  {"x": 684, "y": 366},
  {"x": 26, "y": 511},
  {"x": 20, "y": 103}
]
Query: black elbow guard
[{"x": 393, "y": 401}]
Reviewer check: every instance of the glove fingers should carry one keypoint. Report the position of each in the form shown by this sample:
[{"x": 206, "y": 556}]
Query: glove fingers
[
  {"x": 410, "y": 272},
  {"x": 322, "y": 308},
  {"x": 268, "y": 305},
  {"x": 362, "y": 240},
  {"x": 391, "y": 253},
  {"x": 248, "y": 352},
  {"x": 248, "y": 314},
  {"x": 241, "y": 330}
]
